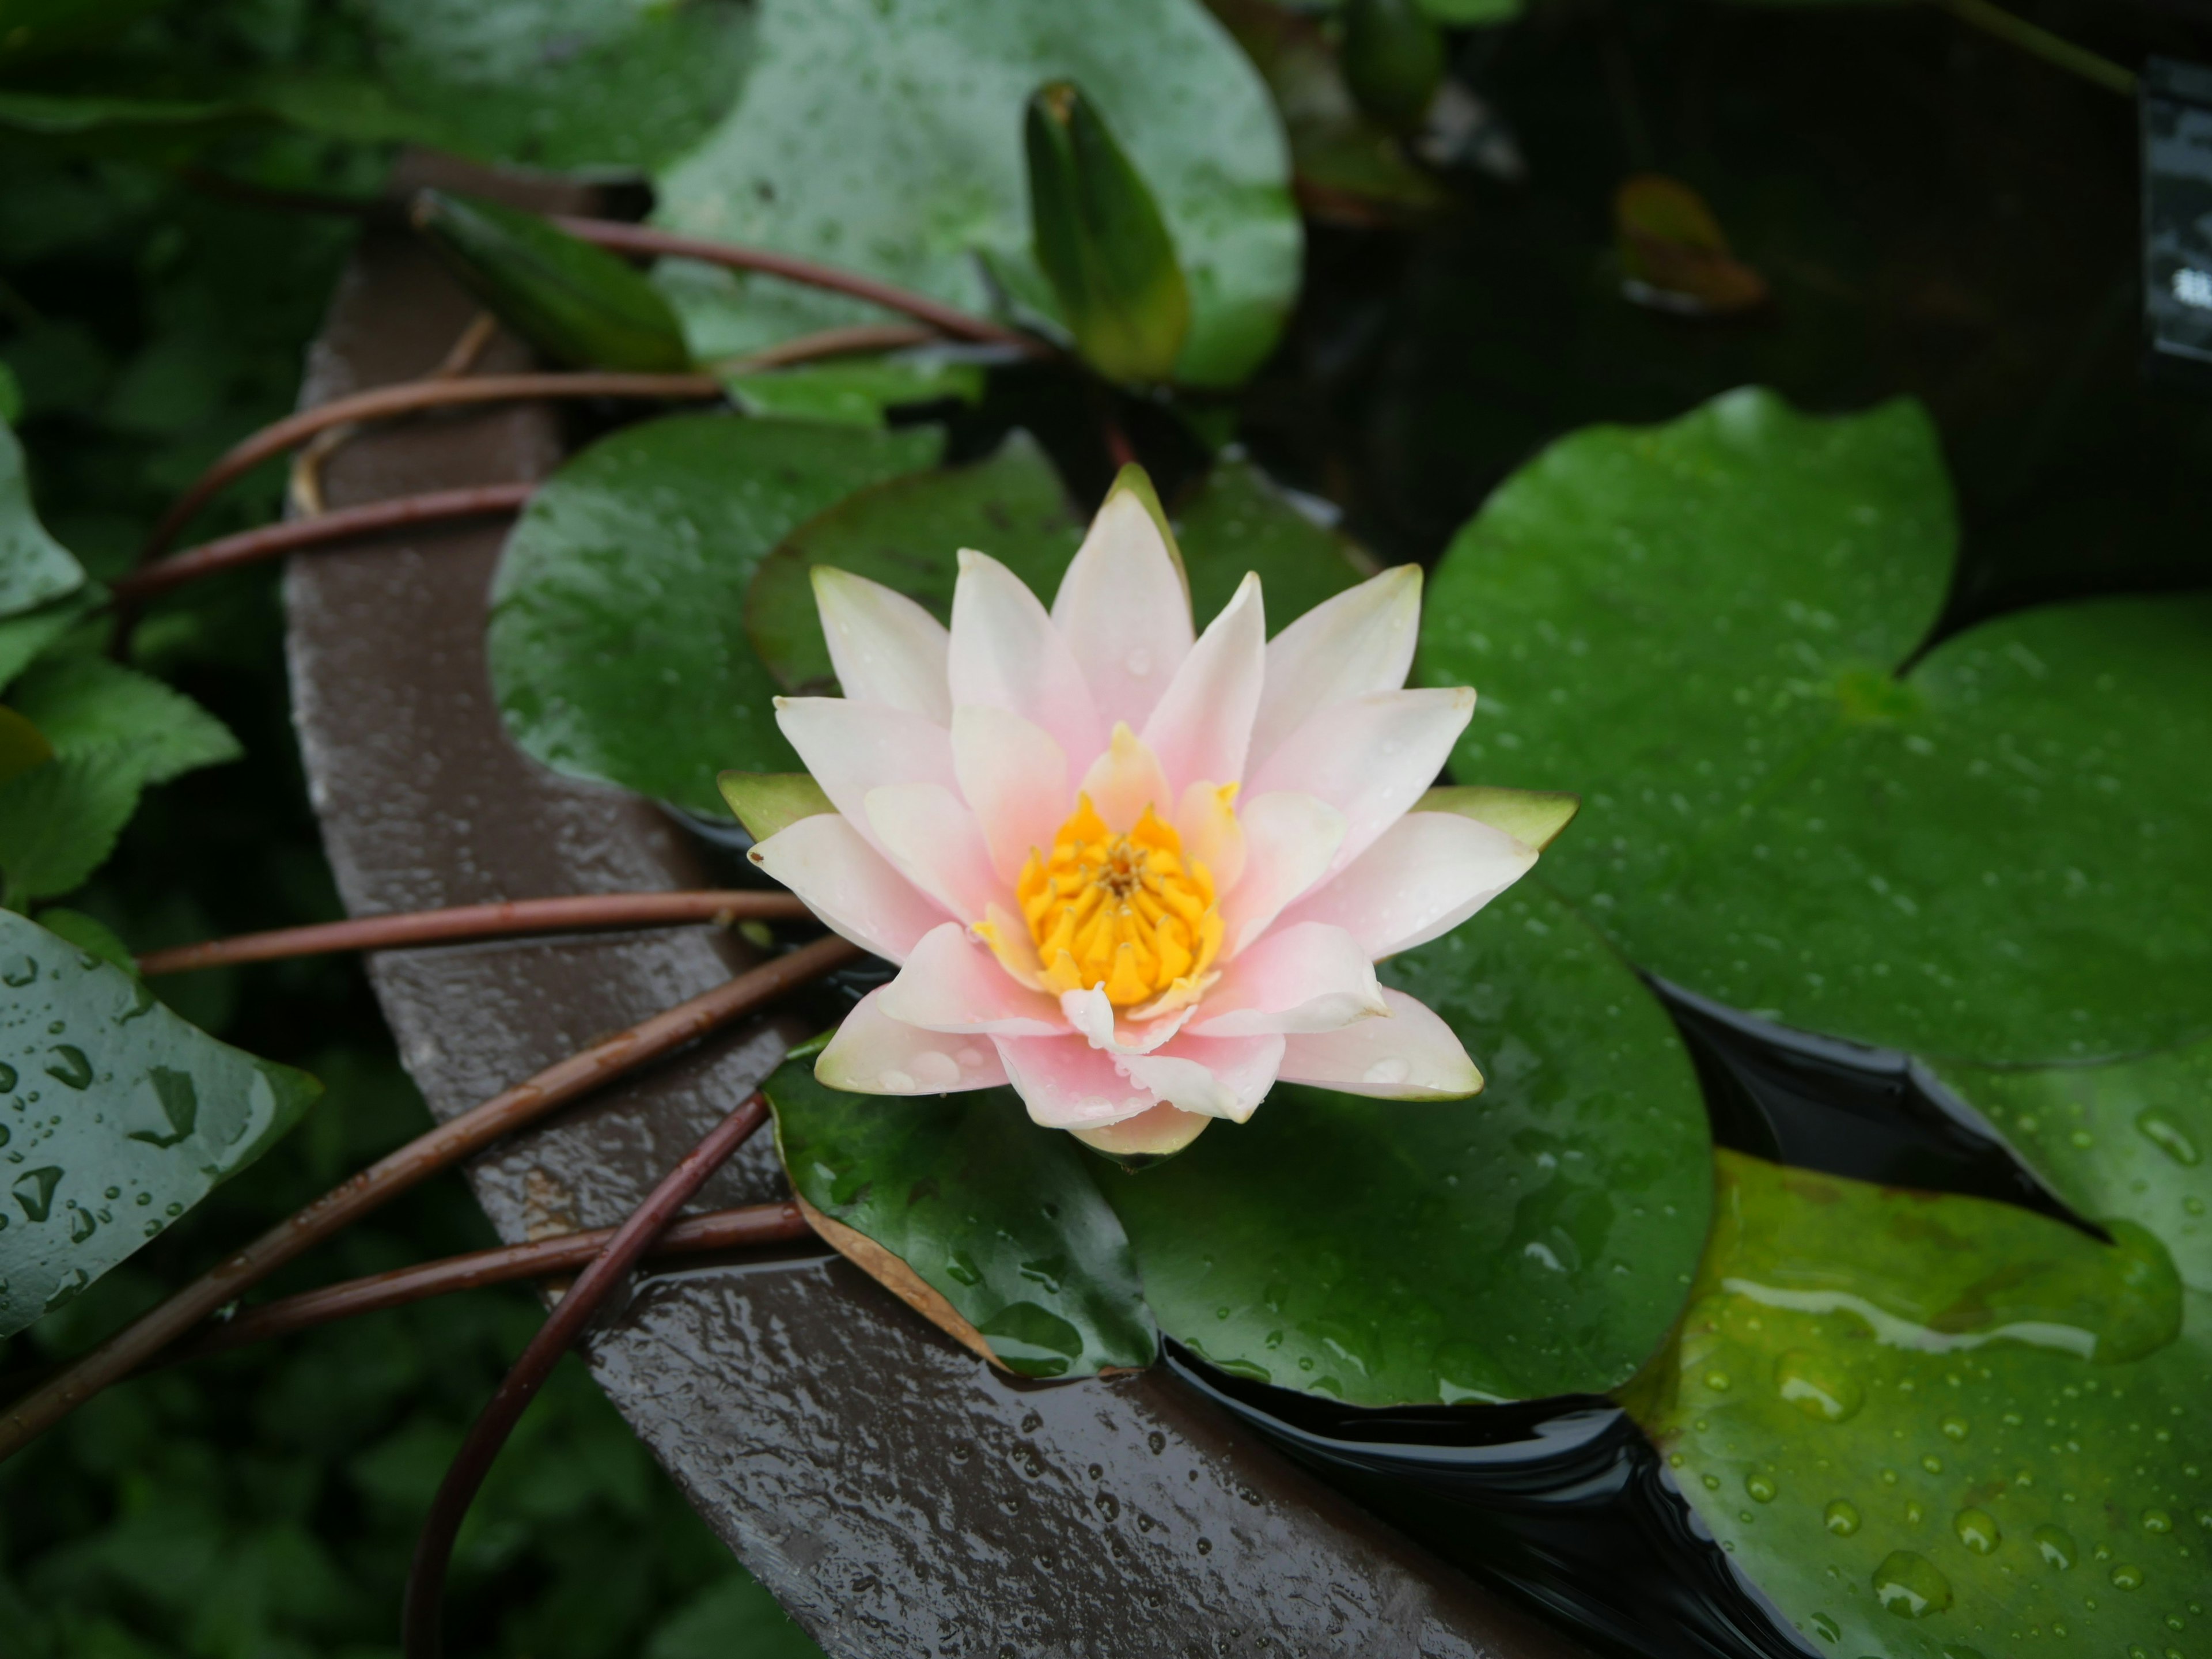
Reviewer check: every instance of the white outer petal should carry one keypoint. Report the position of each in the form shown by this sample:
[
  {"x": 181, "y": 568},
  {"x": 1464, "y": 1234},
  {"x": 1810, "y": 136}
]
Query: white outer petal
[
  {"x": 1066, "y": 1084},
  {"x": 1005, "y": 653},
  {"x": 1202, "y": 727},
  {"x": 1411, "y": 1055},
  {"x": 885, "y": 648},
  {"x": 854, "y": 747},
  {"x": 934, "y": 839},
  {"x": 1215, "y": 1077},
  {"x": 872, "y": 1054},
  {"x": 1360, "y": 641},
  {"x": 1424, "y": 876},
  {"x": 951, "y": 983},
  {"x": 1123, "y": 612},
  {"x": 1312, "y": 977},
  {"x": 856, "y": 891},
  {"x": 1371, "y": 758},
  {"x": 1290, "y": 841},
  {"x": 1014, "y": 777}
]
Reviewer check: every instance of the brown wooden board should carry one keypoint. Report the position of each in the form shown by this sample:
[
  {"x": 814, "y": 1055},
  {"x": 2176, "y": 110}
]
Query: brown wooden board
[{"x": 895, "y": 1495}]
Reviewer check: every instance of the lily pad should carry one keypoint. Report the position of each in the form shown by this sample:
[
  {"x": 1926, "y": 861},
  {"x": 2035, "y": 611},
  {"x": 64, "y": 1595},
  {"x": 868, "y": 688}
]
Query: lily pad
[
  {"x": 997, "y": 1216},
  {"x": 117, "y": 1117},
  {"x": 1538, "y": 1239},
  {"x": 34, "y": 569},
  {"x": 925, "y": 100},
  {"x": 908, "y": 534},
  {"x": 855, "y": 390},
  {"x": 1928, "y": 1426},
  {"x": 1698, "y": 628},
  {"x": 617, "y": 645},
  {"x": 1240, "y": 519}
]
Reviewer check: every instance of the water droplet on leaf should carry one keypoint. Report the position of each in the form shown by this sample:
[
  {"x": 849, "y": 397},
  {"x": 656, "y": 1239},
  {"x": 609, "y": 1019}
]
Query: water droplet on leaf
[
  {"x": 1911, "y": 1585},
  {"x": 1842, "y": 1517},
  {"x": 2058, "y": 1546},
  {"x": 1817, "y": 1387},
  {"x": 1976, "y": 1531}
]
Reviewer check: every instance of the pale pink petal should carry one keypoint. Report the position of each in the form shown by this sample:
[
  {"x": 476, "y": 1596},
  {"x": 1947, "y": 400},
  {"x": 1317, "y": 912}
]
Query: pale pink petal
[
  {"x": 1207, "y": 821},
  {"x": 1427, "y": 873},
  {"x": 1360, "y": 641},
  {"x": 872, "y": 1054},
  {"x": 1410, "y": 1055},
  {"x": 1158, "y": 1133},
  {"x": 885, "y": 648},
  {"x": 1015, "y": 779},
  {"x": 854, "y": 747},
  {"x": 1068, "y": 1085},
  {"x": 934, "y": 839},
  {"x": 1371, "y": 758},
  {"x": 1290, "y": 841},
  {"x": 1312, "y": 977},
  {"x": 1218, "y": 1077},
  {"x": 1125, "y": 781},
  {"x": 951, "y": 983},
  {"x": 1123, "y": 612},
  {"x": 1005, "y": 653},
  {"x": 852, "y": 887},
  {"x": 1203, "y": 725},
  {"x": 1090, "y": 1013}
]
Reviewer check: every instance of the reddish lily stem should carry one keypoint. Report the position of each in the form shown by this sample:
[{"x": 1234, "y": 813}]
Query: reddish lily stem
[
  {"x": 946, "y": 320},
  {"x": 722, "y": 1229},
  {"x": 426, "y": 1579},
  {"x": 409, "y": 397},
  {"x": 443, "y": 1146},
  {"x": 320, "y": 530},
  {"x": 471, "y": 921}
]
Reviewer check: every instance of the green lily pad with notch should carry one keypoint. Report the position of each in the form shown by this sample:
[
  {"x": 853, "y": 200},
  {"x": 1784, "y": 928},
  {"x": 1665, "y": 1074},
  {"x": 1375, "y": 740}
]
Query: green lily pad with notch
[
  {"x": 116, "y": 1116},
  {"x": 926, "y": 98},
  {"x": 616, "y": 643},
  {"x": 997, "y": 1216},
  {"x": 35, "y": 569},
  {"x": 1928, "y": 1425},
  {"x": 1994, "y": 858},
  {"x": 907, "y": 533},
  {"x": 1538, "y": 1239}
]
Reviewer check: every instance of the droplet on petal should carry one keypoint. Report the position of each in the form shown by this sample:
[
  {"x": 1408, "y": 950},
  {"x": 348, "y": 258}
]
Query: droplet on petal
[
  {"x": 1387, "y": 1070},
  {"x": 895, "y": 1083}
]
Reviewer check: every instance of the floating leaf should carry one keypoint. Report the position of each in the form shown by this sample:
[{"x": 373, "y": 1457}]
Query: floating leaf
[
  {"x": 855, "y": 390},
  {"x": 908, "y": 534},
  {"x": 1538, "y": 1239},
  {"x": 1696, "y": 626},
  {"x": 997, "y": 1216},
  {"x": 35, "y": 567},
  {"x": 616, "y": 644},
  {"x": 924, "y": 98},
  {"x": 1675, "y": 254},
  {"x": 116, "y": 1115},
  {"x": 579, "y": 304},
  {"x": 1924, "y": 1425},
  {"x": 1240, "y": 519}
]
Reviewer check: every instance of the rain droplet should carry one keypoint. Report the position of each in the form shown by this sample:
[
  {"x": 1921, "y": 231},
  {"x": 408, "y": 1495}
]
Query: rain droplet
[
  {"x": 895, "y": 1083},
  {"x": 1976, "y": 1531},
  {"x": 2058, "y": 1546},
  {"x": 1761, "y": 1486},
  {"x": 7, "y": 1077},
  {"x": 1712, "y": 1482},
  {"x": 1391, "y": 1069},
  {"x": 1910, "y": 1585},
  {"x": 1842, "y": 1517},
  {"x": 70, "y": 1066},
  {"x": 34, "y": 1191},
  {"x": 1961, "y": 1651},
  {"x": 1827, "y": 1628},
  {"x": 1718, "y": 1382},
  {"x": 1955, "y": 1428},
  {"x": 1139, "y": 662},
  {"x": 2169, "y": 1137},
  {"x": 1817, "y": 1387},
  {"x": 2157, "y": 1521},
  {"x": 2127, "y": 1576},
  {"x": 1932, "y": 1463},
  {"x": 961, "y": 1267}
]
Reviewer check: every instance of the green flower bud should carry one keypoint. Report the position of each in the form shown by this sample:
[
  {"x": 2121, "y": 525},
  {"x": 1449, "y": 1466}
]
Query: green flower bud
[
  {"x": 1394, "y": 60},
  {"x": 1100, "y": 241},
  {"x": 578, "y": 304}
]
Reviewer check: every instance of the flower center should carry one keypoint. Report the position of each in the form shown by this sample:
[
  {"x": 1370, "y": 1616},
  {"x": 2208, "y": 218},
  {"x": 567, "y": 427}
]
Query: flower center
[{"x": 1126, "y": 911}]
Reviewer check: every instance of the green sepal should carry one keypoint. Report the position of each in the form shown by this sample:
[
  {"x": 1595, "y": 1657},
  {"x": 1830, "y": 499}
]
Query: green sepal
[
  {"x": 1533, "y": 816},
  {"x": 767, "y": 802},
  {"x": 577, "y": 303},
  {"x": 1099, "y": 238}
]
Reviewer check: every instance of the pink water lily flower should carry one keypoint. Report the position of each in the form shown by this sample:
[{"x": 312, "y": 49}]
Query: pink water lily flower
[{"x": 1137, "y": 872}]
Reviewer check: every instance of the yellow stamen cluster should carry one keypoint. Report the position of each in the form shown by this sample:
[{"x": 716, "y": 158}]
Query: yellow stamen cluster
[{"x": 1127, "y": 912}]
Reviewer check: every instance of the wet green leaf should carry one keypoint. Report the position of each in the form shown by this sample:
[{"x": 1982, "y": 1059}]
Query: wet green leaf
[
  {"x": 24, "y": 636},
  {"x": 616, "y": 643},
  {"x": 578, "y": 304},
  {"x": 90, "y": 933},
  {"x": 86, "y": 705},
  {"x": 997, "y": 1215},
  {"x": 925, "y": 98},
  {"x": 1240, "y": 519},
  {"x": 1928, "y": 1425},
  {"x": 855, "y": 391},
  {"x": 1696, "y": 626},
  {"x": 907, "y": 534},
  {"x": 35, "y": 567},
  {"x": 115, "y": 1114},
  {"x": 1097, "y": 234},
  {"x": 58, "y": 822},
  {"x": 1537, "y": 1239}
]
